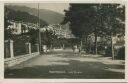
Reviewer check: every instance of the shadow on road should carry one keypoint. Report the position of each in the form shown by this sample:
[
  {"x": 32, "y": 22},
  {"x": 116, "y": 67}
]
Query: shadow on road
[{"x": 74, "y": 69}]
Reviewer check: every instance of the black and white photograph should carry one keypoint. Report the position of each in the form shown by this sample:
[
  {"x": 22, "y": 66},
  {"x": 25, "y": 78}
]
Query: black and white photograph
[{"x": 64, "y": 40}]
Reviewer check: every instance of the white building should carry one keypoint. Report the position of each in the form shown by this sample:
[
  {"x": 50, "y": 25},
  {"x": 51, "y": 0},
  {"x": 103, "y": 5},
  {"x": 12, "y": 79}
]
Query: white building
[
  {"x": 15, "y": 26},
  {"x": 61, "y": 31},
  {"x": 21, "y": 27}
]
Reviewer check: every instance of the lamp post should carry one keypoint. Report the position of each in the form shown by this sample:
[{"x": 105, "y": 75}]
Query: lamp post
[{"x": 39, "y": 39}]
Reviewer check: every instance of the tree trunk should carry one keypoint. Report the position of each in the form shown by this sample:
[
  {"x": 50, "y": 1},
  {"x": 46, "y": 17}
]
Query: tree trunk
[
  {"x": 63, "y": 46},
  {"x": 81, "y": 45},
  {"x": 86, "y": 39},
  {"x": 39, "y": 35},
  {"x": 51, "y": 46},
  {"x": 95, "y": 43},
  {"x": 112, "y": 49},
  {"x": 90, "y": 50}
]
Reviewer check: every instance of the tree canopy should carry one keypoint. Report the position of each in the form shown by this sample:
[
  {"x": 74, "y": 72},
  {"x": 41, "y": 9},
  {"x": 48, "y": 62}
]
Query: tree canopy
[
  {"x": 89, "y": 18},
  {"x": 98, "y": 19},
  {"x": 80, "y": 17}
]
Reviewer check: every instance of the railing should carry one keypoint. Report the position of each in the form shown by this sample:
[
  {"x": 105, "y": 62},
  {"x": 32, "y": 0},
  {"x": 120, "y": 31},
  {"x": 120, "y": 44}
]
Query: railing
[
  {"x": 9, "y": 62},
  {"x": 12, "y": 60}
]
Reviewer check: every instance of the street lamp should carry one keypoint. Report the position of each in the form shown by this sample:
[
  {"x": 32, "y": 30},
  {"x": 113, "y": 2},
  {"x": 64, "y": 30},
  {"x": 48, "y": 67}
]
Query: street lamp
[{"x": 39, "y": 31}]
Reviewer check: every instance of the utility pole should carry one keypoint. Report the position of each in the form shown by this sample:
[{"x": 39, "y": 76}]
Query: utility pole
[{"x": 39, "y": 34}]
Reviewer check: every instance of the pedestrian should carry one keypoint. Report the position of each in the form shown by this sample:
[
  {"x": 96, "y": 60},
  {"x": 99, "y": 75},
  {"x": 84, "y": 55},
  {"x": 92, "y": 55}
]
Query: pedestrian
[
  {"x": 79, "y": 49},
  {"x": 73, "y": 48}
]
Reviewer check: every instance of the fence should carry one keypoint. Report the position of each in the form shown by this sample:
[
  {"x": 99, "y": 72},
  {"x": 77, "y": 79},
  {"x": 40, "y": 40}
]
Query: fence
[
  {"x": 15, "y": 54},
  {"x": 20, "y": 48}
]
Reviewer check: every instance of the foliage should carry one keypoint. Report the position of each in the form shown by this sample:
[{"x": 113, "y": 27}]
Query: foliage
[
  {"x": 99, "y": 19},
  {"x": 7, "y": 32},
  {"x": 121, "y": 53},
  {"x": 19, "y": 16},
  {"x": 80, "y": 17},
  {"x": 32, "y": 36},
  {"x": 47, "y": 37},
  {"x": 113, "y": 18},
  {"x": 89, "y": 18}
]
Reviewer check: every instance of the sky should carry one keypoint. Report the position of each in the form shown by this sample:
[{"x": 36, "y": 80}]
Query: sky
[{"x": 57, "y": 7}]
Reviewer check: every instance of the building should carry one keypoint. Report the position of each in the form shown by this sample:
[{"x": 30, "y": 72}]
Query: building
[
  {"x": 15, "y": 27},
  {"x": 21, "y": 27},
  {"x": 61, "y": 31}
]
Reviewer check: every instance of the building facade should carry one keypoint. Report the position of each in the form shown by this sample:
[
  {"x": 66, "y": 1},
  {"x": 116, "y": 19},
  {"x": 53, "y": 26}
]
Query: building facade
[
  {"x": 21, "y": 27},
  {"x": 61, "y": 31}
]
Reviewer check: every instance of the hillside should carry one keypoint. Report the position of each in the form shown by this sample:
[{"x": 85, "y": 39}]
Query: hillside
[
  {"x": 22, "y": 16},
  {"x": 49, "y": 16}
]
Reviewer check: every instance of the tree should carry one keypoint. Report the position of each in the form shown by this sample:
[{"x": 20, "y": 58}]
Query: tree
[
  {"x": 12, "y": 15},
  {"x": 98, "y": 19},
  {"x": 114, "y": 17},
  {"x": 81, "y": 20},
  {"x": 7, "y": 30},
  {"x": 33, "y": 36}
]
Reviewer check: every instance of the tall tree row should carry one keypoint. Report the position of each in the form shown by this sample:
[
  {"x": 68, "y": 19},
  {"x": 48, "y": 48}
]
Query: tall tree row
[
  {"x": 114, "y": 18},
  {"x": 80, "y": 18},
  {"x": 98, "y": 19}
]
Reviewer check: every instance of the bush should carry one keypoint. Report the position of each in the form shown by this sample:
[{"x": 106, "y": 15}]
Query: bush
[
  {"x": 101, "y": 49},
  {"x": 19, "y": 45},
  {"x": 19, "y": 48},
  {"x": 108, "y": 51},
  {"x": 121, "y": 53}
]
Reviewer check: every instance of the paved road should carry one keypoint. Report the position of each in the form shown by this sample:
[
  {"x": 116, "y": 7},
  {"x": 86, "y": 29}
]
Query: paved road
[{"x": 66, "y": 64}]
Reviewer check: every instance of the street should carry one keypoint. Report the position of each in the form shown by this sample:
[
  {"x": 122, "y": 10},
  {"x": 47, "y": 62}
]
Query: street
[{"x": 65, "y": 64}]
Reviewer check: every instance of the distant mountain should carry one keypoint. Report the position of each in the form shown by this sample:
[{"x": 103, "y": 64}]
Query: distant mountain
[
  {"x": 49, "y": 16},
  {"x": 22, "y": 16}
]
